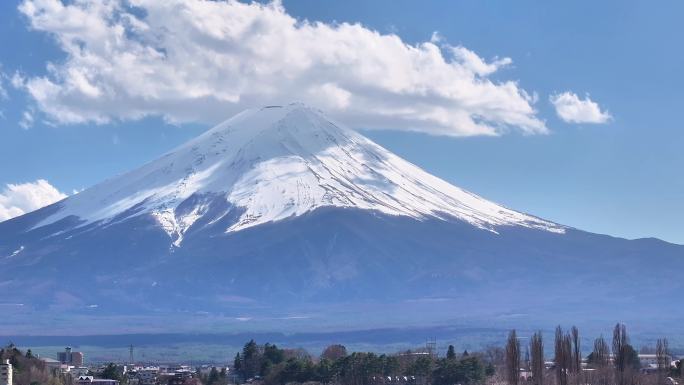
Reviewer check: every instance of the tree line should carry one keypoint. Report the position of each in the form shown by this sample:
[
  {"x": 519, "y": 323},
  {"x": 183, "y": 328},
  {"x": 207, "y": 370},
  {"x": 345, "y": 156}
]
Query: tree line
[
  {"x": 614, "y": 364},
  {"x": 612, "y": 361},
  {"x": 274, "y": 366}
]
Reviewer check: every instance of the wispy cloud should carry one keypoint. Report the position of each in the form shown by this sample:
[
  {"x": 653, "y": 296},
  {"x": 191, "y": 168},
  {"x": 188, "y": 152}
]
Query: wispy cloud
[
  {"x": 3, "y": 91},
  {"x": 27, "y": 120},
  {"x": 19, "y": 199},
  {"x": 572, "y": 109},
  {"x": 196, "y": 60}
]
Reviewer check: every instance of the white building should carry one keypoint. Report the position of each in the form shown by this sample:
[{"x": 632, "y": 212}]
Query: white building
[
  {"x": 148, "y": 376},
  {"x": 90, "y": 380},
  {"x": 51, "y": 363},
  {"x": 6, "y": 373},
  {"x": 78, "y": 371},
  {"x": 651, "y": 360}
]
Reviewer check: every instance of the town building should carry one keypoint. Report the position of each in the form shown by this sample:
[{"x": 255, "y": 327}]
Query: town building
[
  {"x": 78, "y": 371},
  {"x": 177, "y": 377},
  {"x": 70, "y": 358},
  {"x": 90, "y": 380},
  {"x": 147, "y": 375},
  {"x": 6, "y": 373},
  {"x": 650, "y": 361},
  {"x": 51, "y": 363}
]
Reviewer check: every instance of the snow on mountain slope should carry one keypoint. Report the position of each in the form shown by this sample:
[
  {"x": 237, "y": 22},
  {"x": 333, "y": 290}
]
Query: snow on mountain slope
[{"x": 276, "y": 162}]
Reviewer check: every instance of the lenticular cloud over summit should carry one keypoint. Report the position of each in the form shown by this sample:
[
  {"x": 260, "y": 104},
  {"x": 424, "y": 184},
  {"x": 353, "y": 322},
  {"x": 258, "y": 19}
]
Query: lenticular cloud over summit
[{"x": 203, "y": 60}]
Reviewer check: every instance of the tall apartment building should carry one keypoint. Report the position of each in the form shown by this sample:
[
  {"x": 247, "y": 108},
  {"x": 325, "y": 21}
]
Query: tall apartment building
[
  {"x": 6, "y": 373},
  {"x": 70, "y": 358},
  {"x": 77, "y": 358}
]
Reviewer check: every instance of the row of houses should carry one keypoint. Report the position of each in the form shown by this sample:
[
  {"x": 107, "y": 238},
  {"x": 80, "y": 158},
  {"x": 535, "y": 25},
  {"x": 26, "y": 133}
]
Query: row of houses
[{"x": 152, "y": 375}]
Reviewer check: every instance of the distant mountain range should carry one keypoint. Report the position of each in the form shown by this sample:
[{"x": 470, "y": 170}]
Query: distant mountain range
[{"x": 282, "y": 218}]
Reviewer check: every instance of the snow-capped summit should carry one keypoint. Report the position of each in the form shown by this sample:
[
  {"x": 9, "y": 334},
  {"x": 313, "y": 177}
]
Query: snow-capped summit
[
  {"x": 277, "y": 162},
  {"x": 280, "y": 213}
]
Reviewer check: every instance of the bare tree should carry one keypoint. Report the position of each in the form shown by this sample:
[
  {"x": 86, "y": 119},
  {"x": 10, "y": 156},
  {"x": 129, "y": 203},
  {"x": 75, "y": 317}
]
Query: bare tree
[
  {"x": 576, "y": 355},
  {"x": 567, "y": 354},
  {"x": 513, "y": 358},
  {"x": 576, "y": 350},
  {"x": 601, "y": 353},
  {"x": 663, "y": 359},
  {"x": 600, "y": 359},
  {"x": 620, "y": 350},
  {"x": 495, "y": 355},
  {"x": 558, "y": 355},
  {"x": 537, "y": 353},
  {"x": 563, "y": 357},
  {"x": 334, "y": 352}
]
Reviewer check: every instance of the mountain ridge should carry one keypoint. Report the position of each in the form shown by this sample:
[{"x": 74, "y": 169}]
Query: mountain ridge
[
  {"x": 280, "y": 213},
  {"x": 260, "y": 155}
]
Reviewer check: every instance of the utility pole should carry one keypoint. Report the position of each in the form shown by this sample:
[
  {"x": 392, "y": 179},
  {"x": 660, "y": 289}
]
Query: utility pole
[{"x": 431, "y": 346}]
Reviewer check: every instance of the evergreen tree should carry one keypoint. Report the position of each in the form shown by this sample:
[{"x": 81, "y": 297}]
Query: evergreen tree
[
  {"x": 451, "y": 353},
  {"x": 468, "y": 370},
  {"x": 472, "y": 370},
  {"x": 324, "y": 371},
  {"x": 273, "y": 354},
  {"x": 237, "y": 363},
  {"x": 632, "y": 358},
  {"x": 265, "y": 368},
  {"x": 422, "y": 367},
  {"x": 213, "y": 376},
  {"x": 250, "y": 359},
  {"x": 390, "y": 365},
  {"x": 111, "y": 372}
]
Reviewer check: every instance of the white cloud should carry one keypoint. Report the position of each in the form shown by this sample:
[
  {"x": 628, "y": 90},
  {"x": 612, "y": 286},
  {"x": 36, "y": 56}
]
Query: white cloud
[
  {"x": 570, "y": 108},
  {"x": 17, "y": 80},
  {"x": 3, "y": 92},
  {"x": 3, "y": 78},
  {"x": 436, "y": 37},
  {"x": 26, "y": 121},
  {"x": 196, "y": 60},
  {"x": 19, "y": 199}
]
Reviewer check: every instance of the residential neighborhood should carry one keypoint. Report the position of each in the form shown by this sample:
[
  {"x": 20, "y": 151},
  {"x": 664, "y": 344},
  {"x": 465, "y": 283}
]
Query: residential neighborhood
[{"x": 522, "y": 360}]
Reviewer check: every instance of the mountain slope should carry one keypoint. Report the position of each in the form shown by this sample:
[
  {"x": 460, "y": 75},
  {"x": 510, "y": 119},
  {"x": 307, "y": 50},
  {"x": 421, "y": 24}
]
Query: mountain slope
[
  {"x": 276, "y": 162},
  {"x": 279, "y": 213}
]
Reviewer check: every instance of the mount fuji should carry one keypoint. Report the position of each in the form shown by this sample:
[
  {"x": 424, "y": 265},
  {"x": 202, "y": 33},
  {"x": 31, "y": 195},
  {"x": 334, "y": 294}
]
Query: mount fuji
[{"x": 281, "y": 215}]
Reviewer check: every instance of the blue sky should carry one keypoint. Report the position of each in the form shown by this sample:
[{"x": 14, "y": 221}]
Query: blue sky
[{"x": 622, "y": 176}]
